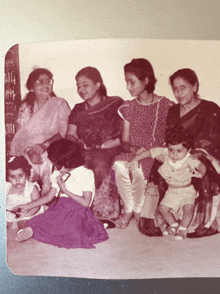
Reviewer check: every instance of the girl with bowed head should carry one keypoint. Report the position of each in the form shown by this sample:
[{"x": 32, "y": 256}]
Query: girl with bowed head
[
  {"x": 68, "y": 222},
  {"x": 144, "y": 124},
  {"x": 96, "y": 126},
  {"x": 42, "y": 119}
]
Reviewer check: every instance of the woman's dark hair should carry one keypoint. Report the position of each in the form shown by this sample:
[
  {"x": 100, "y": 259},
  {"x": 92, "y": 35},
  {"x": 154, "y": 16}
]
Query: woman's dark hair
[
  {"x": 188, "y": 75},
  {"x": 33, "y": 77},
  {"x": 65, "y": 153},
  {"x": 16, "y": 162},
  {"x": 93, "y": 74},
  {"x": 178, "y": 135},
  {"x": 142, "y": 69}
]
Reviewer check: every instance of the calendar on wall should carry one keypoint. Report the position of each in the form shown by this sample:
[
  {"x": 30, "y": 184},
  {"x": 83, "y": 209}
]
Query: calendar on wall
[{"x": 12, "y": 93}]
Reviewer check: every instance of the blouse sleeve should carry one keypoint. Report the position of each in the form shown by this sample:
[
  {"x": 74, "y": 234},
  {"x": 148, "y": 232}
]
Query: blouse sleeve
[
  {"x": 64, "y": 112},
  {"x": 172, "y": 116},
  {"x": 77, "y": 108},
  {"x": 124, "y": 111},
  {"x": 89, "y": 183}
]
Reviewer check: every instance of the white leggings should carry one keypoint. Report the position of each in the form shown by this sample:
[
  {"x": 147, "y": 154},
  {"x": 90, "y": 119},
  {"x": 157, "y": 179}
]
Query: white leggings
[{"x": 131, "y": 185}]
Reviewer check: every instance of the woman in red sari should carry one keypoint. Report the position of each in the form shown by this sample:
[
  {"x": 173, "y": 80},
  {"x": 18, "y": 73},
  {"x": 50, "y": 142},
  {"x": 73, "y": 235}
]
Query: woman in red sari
[{"x": 96, "y": 126}]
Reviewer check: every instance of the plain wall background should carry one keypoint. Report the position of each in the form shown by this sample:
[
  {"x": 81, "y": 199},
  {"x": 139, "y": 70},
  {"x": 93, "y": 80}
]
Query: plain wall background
[{"x": 65, "y": 58}]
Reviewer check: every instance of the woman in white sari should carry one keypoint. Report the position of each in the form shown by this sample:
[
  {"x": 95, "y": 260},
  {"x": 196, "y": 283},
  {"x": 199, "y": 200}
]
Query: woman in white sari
[{"x": 42, "y": 119}]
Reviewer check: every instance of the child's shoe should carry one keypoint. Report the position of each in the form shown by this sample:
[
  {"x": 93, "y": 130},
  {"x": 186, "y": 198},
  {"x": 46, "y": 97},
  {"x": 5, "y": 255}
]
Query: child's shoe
[
  {"x": 170, "y": 231},
  {"x": 24, "y": 234},
  {"x": 181, "y": 234}
]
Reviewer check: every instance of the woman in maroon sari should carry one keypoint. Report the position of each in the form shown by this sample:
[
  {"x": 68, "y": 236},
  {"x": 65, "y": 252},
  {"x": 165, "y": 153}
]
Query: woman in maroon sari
[
  {"x": 202, "y": 119},
  {"x": 96, "y": 126}
]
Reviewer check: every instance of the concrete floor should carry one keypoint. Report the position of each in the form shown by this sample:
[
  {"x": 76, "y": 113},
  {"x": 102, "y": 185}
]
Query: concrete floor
[{"x": 126, "y": 255}]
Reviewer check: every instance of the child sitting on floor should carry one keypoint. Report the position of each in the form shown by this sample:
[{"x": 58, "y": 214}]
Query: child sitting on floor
[
  {"x": 68, "y": 222},
  {"x": 19, "y": 190},
  {"x": 178, "y": 168}
]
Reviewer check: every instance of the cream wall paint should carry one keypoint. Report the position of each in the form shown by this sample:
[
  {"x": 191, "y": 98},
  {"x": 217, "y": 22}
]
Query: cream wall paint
[{"x": 66, "y": 58}]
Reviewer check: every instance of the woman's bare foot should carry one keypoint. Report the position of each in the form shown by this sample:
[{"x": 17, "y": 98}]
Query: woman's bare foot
[
  {"x": 137, "y": 216},
  {"x": 124, "y": 220}
]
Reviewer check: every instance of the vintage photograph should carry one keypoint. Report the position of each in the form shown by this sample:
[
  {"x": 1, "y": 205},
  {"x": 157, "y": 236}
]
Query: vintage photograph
[{"x": 113, "y": 158}]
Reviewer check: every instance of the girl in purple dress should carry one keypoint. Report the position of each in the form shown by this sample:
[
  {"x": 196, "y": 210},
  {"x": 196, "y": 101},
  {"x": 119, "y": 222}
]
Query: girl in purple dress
[
  {"x": 144, "y": 120},
  {"x": 69, "y": 221}
]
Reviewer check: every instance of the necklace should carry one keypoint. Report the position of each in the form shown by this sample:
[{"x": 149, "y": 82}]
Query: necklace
[
  {"x": 152, "y": 100},
  {"x": 145, "y": 102}
]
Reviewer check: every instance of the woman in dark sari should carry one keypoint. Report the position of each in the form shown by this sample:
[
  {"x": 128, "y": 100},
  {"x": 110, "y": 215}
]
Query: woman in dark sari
[
  {"x": 96, "y": 126},
  {"x": 202, "y": 119}
]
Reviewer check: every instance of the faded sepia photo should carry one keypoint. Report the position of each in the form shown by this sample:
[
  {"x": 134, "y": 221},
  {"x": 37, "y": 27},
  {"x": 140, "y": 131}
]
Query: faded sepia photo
[{"x": 112, "y": 151}]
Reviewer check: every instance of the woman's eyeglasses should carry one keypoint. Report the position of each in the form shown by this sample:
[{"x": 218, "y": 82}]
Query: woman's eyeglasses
[{"x": 42, "y": 82}]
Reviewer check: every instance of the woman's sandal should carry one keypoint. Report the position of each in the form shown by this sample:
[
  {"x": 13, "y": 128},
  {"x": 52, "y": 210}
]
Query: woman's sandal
[
  {"x": 24, "y": 234},
  {"x": 121, "y": 223},
  {"x": 107, "y": 223}
]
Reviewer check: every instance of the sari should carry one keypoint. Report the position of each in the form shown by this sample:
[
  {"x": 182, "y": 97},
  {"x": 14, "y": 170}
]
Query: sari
[
  {"x": 34, "y": 129},
  {"x": 203, "y": 123},
  {"x": 95, "y": 125}
]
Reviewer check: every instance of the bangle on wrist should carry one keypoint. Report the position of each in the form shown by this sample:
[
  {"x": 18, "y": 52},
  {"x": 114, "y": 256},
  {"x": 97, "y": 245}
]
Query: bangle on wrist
[
  {"x": 45, "y": 145},
  {"x": 27, "y": 150}
]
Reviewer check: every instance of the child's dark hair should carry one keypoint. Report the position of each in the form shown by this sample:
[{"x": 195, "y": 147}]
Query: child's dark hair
[
  {"x": 178, "y": 135},
  {"x": 65, "y": 153},
  {"x": 16, "y": 162}
]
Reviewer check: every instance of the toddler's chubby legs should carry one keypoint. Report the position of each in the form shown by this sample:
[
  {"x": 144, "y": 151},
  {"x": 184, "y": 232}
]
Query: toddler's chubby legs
[
  {"x": 167, "y": 214},
  {"x": 188, "y": 210},
  {"x": 169, "y": 219},
  {"x": 174, "y": 228},
  {"x": 131, "y": 186}
]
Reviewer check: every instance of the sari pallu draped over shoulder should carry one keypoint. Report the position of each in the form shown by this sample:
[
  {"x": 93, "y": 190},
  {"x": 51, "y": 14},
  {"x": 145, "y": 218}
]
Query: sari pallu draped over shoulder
[
  {"x": 203, "y": 122},
  {"x": 98, "y": 123},
  {"x": 52, "y": 118}
]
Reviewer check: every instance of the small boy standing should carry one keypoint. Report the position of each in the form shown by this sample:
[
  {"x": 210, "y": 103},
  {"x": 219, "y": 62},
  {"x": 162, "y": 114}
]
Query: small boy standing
[{"x": 178, "y": 168}]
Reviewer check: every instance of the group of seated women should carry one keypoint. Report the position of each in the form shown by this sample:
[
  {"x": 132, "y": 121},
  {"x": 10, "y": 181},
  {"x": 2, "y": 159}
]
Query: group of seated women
[{"x": 111, "y": 132}]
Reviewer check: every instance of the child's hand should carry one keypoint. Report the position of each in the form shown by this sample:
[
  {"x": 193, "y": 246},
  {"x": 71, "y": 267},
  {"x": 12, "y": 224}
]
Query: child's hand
[
  {"x": 61, "y": 184},
  {"x": 21, "y": 209},
  {"x": 34, "y": 157},
  {"x": 134, "y": 149},
  {"x": 142, "y": 149},
  {"x": 132, "y": 163},
  {"x": 21, "y": 214},
  {"x": 39, "y": 148}
]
